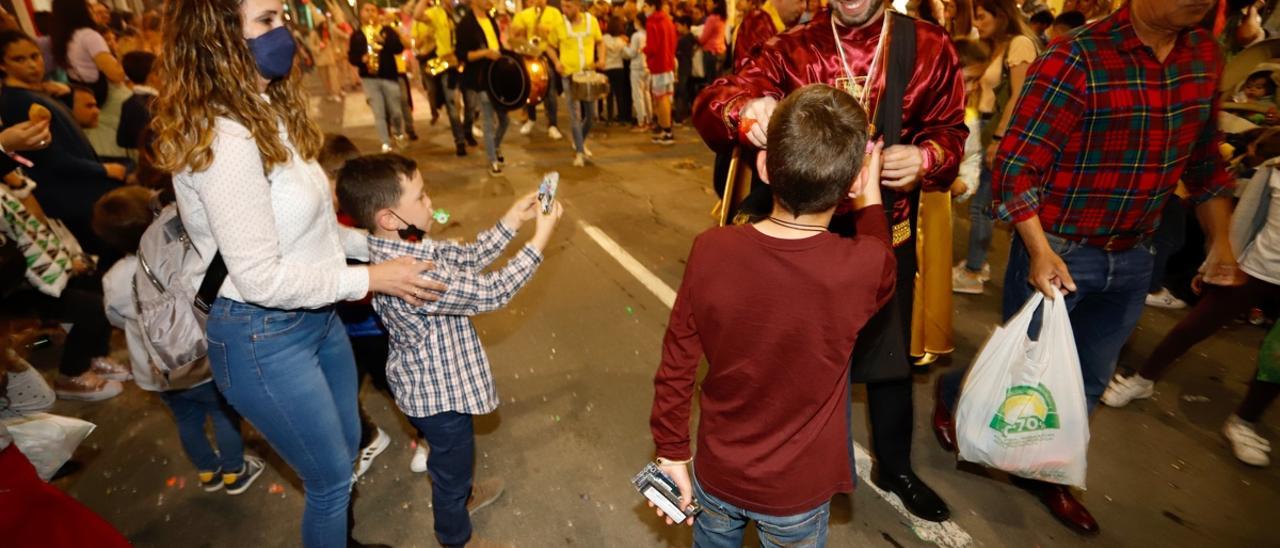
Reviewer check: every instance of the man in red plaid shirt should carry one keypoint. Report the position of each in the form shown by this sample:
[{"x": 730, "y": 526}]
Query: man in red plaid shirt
[{"x": 1109, "y": 121}]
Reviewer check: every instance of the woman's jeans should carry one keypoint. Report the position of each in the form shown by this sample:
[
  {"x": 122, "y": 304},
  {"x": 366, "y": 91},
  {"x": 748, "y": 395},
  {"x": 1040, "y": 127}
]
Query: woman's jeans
[
  {"x": 722, "y": 525},
  {"x": 582, "y": 115},
  {"x": 981, "y": 226},
  {"x": 384, "y": 97},
  {"x": 292, "y": 375},
  {"x": 190, "y": 409}
]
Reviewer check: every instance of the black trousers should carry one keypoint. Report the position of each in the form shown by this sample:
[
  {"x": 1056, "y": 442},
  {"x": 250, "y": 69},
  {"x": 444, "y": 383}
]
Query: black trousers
[
  {"x": 371, "y": 362},
  {"x": 80, "y": 305}
]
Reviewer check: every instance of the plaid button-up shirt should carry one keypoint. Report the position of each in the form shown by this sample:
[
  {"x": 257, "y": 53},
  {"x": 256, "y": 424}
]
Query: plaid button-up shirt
[
  {"x": 1104, "y": 131},
  {"x": 435, "y": 361}
]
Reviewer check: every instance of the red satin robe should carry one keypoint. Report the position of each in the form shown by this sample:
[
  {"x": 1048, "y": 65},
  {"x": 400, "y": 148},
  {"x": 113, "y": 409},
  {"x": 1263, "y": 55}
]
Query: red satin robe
[
  {"x": 756, "y": 27},
  {"x": 933, "y": 106}
]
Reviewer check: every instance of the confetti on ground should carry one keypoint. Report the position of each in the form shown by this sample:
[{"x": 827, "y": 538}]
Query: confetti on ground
[
  {"x": 276, "y": 489},
  {"x": 172, "y": 481},
  {"x": 630, "y": 310},
  {"x": 413, "y": 444},
  {"x": 1195, "y": 399}
]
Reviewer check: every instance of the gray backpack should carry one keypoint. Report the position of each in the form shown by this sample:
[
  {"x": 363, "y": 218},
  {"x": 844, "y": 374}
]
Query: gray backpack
[{"x": 171, "y": 312}]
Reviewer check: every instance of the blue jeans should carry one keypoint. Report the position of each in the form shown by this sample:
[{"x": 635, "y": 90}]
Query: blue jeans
[
  {"x": 722, "y": 525},
  {"x": 981, "y": 226},
  {"x": 292, "y": 375},
  {"x": 190, "y": 409},
  {"x": 1168, "y": 239},
  {"x": 582, "y": 114},
  {"x": 1111, "y": 291},
  {"x": 451, "y": 466},
  {"x": 495, "y": 123}
]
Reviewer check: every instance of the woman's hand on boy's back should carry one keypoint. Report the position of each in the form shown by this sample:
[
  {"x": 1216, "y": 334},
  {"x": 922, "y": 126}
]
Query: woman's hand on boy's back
[
  {"x": 524, "y": 209},
  {"x": 402, "y": 277}
]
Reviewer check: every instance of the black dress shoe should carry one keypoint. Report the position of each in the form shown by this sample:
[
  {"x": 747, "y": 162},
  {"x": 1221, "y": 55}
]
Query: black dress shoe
[
  {"x": 917, "y": 497},
  {"x": 460, "y": 150},
  {"x": 471, "y": 141}
]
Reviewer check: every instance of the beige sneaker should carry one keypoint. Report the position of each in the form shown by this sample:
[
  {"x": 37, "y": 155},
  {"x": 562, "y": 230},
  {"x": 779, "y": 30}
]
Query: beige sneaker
[
  {"x": 86, "y": 387},
  {"x": 1247, "y": 445},
  {"x": 965, "y": 282},
  {"x": 109, "y": 369},
  {"x": 484, "y": 493}
]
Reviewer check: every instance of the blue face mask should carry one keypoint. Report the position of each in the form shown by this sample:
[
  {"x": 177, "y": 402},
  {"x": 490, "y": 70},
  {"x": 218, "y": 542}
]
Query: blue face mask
[{"x": 274, "y": 53}]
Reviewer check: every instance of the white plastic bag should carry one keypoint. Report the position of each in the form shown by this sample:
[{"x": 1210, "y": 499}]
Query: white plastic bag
[
  {"x": 1022, "y": 408},
  {"x": 48, "y": 440}
]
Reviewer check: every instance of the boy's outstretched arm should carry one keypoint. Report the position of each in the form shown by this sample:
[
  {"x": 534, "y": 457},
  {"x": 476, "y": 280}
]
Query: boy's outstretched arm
[{"x": 488, "y": 246}]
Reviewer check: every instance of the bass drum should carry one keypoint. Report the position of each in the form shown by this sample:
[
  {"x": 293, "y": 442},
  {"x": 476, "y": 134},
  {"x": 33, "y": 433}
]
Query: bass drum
[
  {"x": 539, "y": 78},
  {"x": 508, "y": 82}
]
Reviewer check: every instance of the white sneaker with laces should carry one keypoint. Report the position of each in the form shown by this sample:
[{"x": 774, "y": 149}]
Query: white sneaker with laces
[
  {"x": 1247, "y": 445},
  {"x": 109, "y": 369},
  {"x": 526, "y": 128},
  {"x": 418, "y": 464},
  {"x": 965, "y": 282},
  {"x": 379, "y": 444},
  {"x": 1123, "y": 390},
  {"x": 554, "y": 133},
  {"x": 1165, "y": 299},
  {"x": 579, "y": 160}
]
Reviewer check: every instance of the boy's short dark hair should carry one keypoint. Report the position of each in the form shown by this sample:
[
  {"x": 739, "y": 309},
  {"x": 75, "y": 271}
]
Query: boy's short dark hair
[
  {"x": 1070, "y": 19},
  {"x": 77, "y": 88},
  {"x": 121, "y": 216},
  {"x": 368, "y": 184},
  {"x": 684, "y": 20},
  {"x": 336, "y": 151},
  {"x": 817, "y": 138},
  {"x": 1043, "y": 17},
  {"x": 1268, "y": 82},
  {"x": 137, "y": 66},
  {"x": 972, "y": 52}
]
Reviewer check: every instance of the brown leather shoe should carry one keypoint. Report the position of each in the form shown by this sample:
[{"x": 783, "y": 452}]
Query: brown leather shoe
[
  {"x": 944, "y": 425},
  {"x": 483, "y": 493},
  {"x": 1063, "y": 505}
]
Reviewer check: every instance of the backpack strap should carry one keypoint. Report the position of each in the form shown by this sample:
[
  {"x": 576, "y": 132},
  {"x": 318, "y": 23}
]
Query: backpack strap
[{"x": 213, "y": 279}]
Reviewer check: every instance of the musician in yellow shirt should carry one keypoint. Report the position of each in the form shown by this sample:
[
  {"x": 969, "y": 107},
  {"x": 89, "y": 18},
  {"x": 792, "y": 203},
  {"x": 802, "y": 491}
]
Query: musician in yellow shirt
[
  {"x": 448, "y": 83},
  {"x": 581, "y": 50},
  {"x": 541, "y": 21}
]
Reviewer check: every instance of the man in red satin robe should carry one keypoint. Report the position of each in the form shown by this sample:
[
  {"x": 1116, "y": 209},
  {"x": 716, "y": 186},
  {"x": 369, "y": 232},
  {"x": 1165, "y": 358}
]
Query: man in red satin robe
[
  {"x": 735, "y": 111},
  {"x": 761, "y": 23}
]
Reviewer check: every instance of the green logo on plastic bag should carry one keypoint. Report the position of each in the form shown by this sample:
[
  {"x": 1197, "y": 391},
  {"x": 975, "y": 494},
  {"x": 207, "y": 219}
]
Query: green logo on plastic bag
[{"x": 1026, "y": 409}]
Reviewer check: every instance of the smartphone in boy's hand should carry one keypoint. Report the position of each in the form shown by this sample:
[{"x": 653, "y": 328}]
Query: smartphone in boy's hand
[{"x": 547, "y": 190}]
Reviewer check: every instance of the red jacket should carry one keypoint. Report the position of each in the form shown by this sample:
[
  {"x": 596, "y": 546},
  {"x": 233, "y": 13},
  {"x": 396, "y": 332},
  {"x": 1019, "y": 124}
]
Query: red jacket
[{"x": 660, "y": 43}]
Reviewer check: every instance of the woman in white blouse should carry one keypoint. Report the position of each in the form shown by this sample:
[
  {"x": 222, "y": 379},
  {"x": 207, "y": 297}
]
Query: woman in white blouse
[{"x": 231, "y": 123}]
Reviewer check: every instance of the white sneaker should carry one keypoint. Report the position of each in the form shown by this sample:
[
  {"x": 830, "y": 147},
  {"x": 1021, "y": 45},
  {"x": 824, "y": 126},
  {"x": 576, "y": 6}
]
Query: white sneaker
[
  {"x": 526, "y": 128},
  {"x": 109, "y": 369},
  {"x": 386, "y": 149},
  {"x": 1123, "y": 390},
  {"x": 579, "y": 160},
  {"x": 379, "y": 444},
  {"x": 1165, "y": 299},
  {"x": 475, "y": 132},
  {"x": 554, "y": 133},
  {"x": 963, "y": 281},
  {"x": 1247, "y": 445},
  {"x": 418, "y": 464},
  {"x": 984, "y": 274},
  {"x": 586, "y": 151}
]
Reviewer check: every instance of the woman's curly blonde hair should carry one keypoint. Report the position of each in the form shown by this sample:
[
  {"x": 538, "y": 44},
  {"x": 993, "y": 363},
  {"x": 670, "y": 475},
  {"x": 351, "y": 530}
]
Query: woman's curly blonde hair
[{"x": 209, "y": 72}]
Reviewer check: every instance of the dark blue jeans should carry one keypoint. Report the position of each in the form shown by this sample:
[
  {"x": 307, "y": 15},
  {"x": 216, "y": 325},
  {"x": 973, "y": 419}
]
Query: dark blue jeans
[
  {"x": 451, "y": 466},
  {"x": 1111, "y": 292},
  {"x": 190, "y": 409},
  {"x": 292, "y": 375},
  {"x": 1168, "y": 239}
]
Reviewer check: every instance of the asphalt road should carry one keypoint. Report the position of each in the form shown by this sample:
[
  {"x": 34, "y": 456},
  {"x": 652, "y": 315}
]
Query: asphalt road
[{"x": 574, "y": 356}]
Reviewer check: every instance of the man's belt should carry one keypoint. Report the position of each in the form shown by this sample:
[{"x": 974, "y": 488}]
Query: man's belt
[{"x": 1107, "y": 242}]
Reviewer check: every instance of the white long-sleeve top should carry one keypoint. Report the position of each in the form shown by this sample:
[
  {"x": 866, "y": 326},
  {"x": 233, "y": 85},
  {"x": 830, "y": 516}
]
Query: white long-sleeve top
[
  {"x": 278, "y": 232},
  {"x": 634, "y": 50}
]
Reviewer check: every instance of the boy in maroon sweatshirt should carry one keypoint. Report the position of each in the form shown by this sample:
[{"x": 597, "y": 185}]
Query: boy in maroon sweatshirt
[{"x": 776, "y": 307}]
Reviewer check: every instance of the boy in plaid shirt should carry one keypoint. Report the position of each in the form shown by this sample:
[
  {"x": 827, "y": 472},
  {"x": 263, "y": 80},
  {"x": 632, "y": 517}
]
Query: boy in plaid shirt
[{"x": 437, "y": 368}]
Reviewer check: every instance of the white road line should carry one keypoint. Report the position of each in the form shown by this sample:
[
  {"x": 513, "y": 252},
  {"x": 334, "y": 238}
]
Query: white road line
[
  {"x": 653, "y": 283},
  {"x": 947, "y": 534}
]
